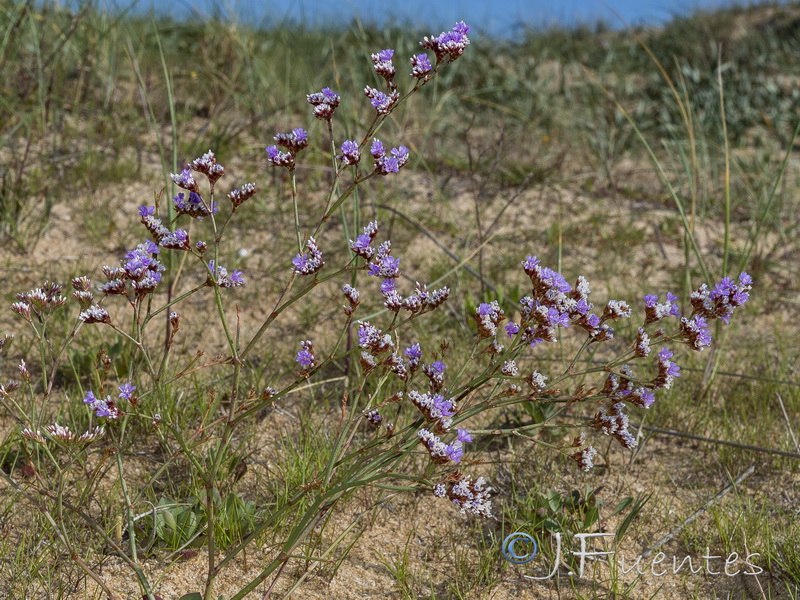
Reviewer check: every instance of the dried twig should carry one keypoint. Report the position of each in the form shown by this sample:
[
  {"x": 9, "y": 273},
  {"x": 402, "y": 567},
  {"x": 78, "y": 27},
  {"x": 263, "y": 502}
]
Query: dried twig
[
  {"x": 788, "y": 424},
  {"x": 700, "y": 438},
  {"x": 699, "y": 511}
]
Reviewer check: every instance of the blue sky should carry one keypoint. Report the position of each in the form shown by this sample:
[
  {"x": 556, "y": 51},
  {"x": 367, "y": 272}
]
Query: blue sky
[{"x": 495, "y": 17}]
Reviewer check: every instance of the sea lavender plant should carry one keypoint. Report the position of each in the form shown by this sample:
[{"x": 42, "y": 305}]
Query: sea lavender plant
[{"x": 437, "y": 402}]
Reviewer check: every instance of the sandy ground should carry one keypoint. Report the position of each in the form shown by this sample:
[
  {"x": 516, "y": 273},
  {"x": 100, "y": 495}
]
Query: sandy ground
[{"x": 423, "y": 527}]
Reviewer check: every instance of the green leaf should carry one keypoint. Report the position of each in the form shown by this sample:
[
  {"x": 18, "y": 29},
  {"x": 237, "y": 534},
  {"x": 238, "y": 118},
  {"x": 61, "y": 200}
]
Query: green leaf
[
  {"x": 551, "y": 525},
  {"x": 591, "y": 517},
  {"x": 541, "y": 412},
  {"x": 623, "y": 504},
  {"x": 169, "y": 519},
  {"x": 631, "y": 516},
  {"x": 187, "y": 524},
  {"x": 194, "y": 596}
]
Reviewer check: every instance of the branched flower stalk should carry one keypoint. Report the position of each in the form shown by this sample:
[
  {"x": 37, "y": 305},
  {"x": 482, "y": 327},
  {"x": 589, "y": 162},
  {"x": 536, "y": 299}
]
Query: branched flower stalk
[{"x": 409, "y": 400}]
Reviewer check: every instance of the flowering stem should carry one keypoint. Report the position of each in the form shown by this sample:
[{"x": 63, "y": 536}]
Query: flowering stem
[
  {"x": 22, "y": 417},
  {"x": 293, "y": 179},
  {"x": 223, "y": 319},
  {"x": 111, "y": 544},
  {"x": 57, "y": 358},
  {"x": 583, "y": 347},
  {"x": 279, "y": 308},
  {"x": 307, "y": 524},
  {"x": 172, "y": 302},
  {"x": 340, "y": 443},
  {"x": 466, "y": 362},
  {"x": 132, "y": 531},
  {"x": 210, "y": 516},
  {"x": 260, "y": 528},
  {"x": 340, "y": 200},
  {"x": 75, "y": 556}
]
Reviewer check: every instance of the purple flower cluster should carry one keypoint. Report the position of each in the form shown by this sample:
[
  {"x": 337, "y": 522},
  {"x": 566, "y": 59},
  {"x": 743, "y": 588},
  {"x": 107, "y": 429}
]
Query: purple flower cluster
[
  {"x": 362, "y": 246},
  {"x": 242, "y": 194},
  {"x": 372, "y": 339},
  {"x": 177, "y": 240},
  {"x": 351, "y": 154},
  {"x": 471, "y": 497},
  {"x": 324, "y": 102},
  {"x": 381, "y": 102},
  {"x": 185, "y": 180},
  {"x": 420, "y": 66},
  {"x": 554, "y": 303},
  {"x": 140, "y": 263},
  {"x": 435, "y": 373},
  {"x": 310, "y": 262},
  {"x": 106, "y": 407},
  {"x": 374, "y": 418},
  {"x": 139, "y": 267},
  {"x": 414, "y": 355},
  {"x": 353, "y": 299},
  {"x": 385, "y": 266},
  {"x": 39, "y": 301},
  {"x": 383, "y": 66},
  {"x": 642, "y": 397},
  {"x": 391, "y": 163},
  {"x": 623, "y": 386},
  {"x": 382, "y": 264},
  {"x": 220, "y": 276},
  {"x": 306, "y": 356},
  {"x": 720, "y": 302},
  {"x": 655, "y": 311},
  {"x": 126, "y": 391},
  {"x": 280, "y": 159},
  {"x": 612, "y": 421},
  {"x": 436, "y": 409},
  {"x": 440, "y": 452},
  {"x": 448, "y": 43},
  {"x": 194, "y": 206},
  {"x": 208, "y": 166},
  {"x": 294, "y": 142},
  {"x": 667, "y": 370},
  {"x": 488, "y": 317},
  {"x": 695, "y": 333}
]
